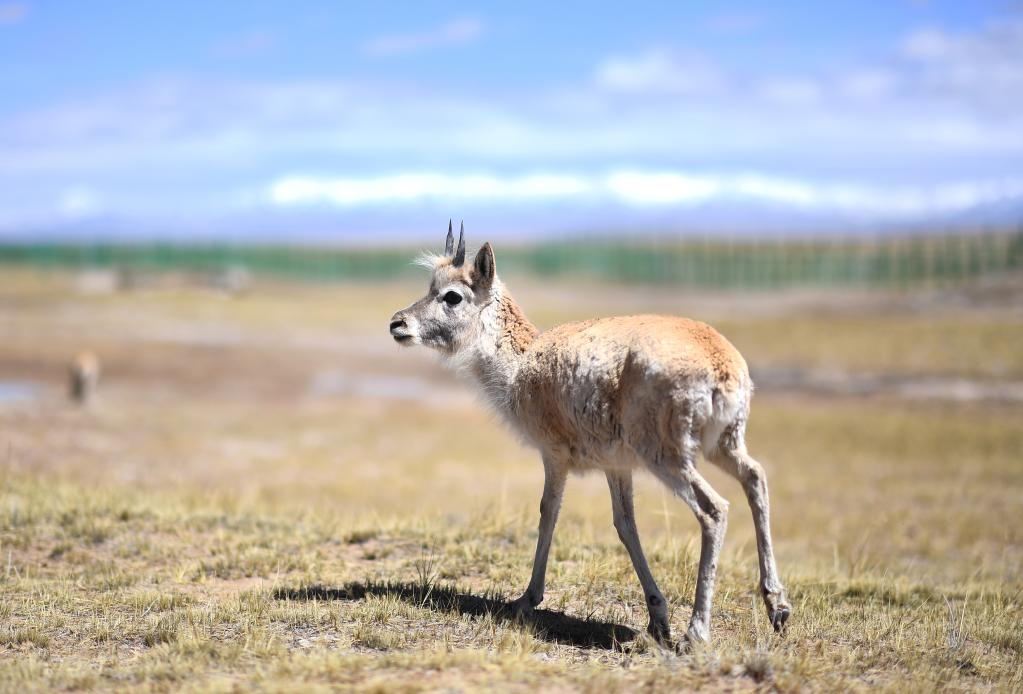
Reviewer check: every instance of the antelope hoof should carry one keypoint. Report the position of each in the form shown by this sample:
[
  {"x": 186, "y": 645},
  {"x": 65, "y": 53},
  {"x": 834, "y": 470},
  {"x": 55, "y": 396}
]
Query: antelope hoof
[
  {"x": 779, "y": 615},
  {"x": 521, "y": 608},
  {"x": 660, "y": 631},
  {"x": 778, "y": 608},
  {"x": 696, "y": 637}
]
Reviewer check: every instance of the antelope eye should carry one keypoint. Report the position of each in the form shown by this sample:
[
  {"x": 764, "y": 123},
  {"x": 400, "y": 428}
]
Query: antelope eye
[{"x": 452, "y": 298}]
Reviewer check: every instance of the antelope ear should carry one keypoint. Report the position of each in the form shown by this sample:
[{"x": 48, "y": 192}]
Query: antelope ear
[{"x": 484, "y": 268}]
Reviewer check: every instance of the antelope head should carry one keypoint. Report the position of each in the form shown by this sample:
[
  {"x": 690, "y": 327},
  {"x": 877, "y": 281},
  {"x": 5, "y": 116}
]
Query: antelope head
[{"x": 451, "y": 314}]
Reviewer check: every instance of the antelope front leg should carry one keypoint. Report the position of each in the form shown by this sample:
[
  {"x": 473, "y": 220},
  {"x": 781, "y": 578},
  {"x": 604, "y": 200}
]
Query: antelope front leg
[
  {"x": 624, "y": 514},
  {"x": 550, "y": 505}
]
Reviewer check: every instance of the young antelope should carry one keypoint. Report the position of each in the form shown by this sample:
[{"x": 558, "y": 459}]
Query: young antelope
[
  {"x": 83, "y": 377},
  {"x": 611, "y": 394}
]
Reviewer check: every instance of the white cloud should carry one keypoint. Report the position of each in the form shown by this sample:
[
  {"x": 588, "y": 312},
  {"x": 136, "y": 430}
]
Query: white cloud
[
  {"x": 982, "y": 68},
  {"x": 660, "y": 188},
  {"x": 408, "y": 187},
  {"x": 213, "y": 126},
  {"x": 639, "y": 188},
  {"x": 658, "y": 71},
  {"x": 458, "y": 31},
  {"x": 78, "y": 202},
  {"x": 867, "y": 84},
  {"x": 774, "y": 189},
  {"x": 640, "y": 131},
  {"x": 12, "y": 12},
  {"x": 978, "y": 70},
  {"x": 854, "y": 198},
  {"x": 926, "y": 44}
]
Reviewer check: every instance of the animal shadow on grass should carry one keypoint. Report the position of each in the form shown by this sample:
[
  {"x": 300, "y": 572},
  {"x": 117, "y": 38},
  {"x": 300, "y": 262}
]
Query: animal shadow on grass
[{"x": 555, "y": 627}]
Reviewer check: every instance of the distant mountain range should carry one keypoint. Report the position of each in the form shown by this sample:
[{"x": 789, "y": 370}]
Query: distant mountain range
[{"x": 419, "y": 223}]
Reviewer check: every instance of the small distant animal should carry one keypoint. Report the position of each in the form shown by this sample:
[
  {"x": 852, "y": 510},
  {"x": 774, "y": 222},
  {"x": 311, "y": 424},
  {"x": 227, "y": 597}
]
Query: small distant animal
[
  {"x": 83, "y": 378},
  {"x": 611, "y": 394}
]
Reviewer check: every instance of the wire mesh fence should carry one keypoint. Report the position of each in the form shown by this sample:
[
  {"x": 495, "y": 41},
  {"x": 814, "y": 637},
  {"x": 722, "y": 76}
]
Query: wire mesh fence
[{"x": 899, "y": 261}]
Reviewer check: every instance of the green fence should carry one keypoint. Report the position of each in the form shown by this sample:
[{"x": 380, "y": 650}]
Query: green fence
[{"x": 892, "y": 261}]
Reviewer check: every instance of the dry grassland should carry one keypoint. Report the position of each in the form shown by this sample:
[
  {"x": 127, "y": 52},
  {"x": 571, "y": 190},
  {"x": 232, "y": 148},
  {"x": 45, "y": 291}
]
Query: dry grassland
[{"x": 269, "y": 494}]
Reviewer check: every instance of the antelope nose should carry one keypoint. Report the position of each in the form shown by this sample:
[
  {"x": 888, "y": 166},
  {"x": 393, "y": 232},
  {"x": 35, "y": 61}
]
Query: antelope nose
[{"x": 397, "y": 324}]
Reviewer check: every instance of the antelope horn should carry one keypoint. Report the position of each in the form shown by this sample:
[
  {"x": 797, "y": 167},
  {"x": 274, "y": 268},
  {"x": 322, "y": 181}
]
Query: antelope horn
[
  {"x": 449, "y": 244},
  {"x": 460, "y": 253}
]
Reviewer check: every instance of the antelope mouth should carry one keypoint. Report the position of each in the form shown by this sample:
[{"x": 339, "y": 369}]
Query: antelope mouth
[{"x": 402, "y": 338}]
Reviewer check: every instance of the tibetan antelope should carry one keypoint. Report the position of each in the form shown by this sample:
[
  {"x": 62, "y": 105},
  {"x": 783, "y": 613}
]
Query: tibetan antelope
[
  {"x": 611, "y": 394},
  {"x": 83, "y": 377}
]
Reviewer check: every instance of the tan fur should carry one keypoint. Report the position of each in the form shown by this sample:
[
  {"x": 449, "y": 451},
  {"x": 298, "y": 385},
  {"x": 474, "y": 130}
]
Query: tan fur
[
  {"x": 516, "y": 330},
  {"x": 587, "y": 389},
  {"x": 611, "y": 394}
]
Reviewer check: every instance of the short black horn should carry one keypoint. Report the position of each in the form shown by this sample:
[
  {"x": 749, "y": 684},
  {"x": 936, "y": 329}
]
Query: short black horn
[
  {"x": 460, "y": 253},
  {"x": 449, "y": 244}
]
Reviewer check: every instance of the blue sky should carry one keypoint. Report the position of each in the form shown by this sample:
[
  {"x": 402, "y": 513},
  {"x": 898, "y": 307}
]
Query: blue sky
[{"x": 259, "y": 119}]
